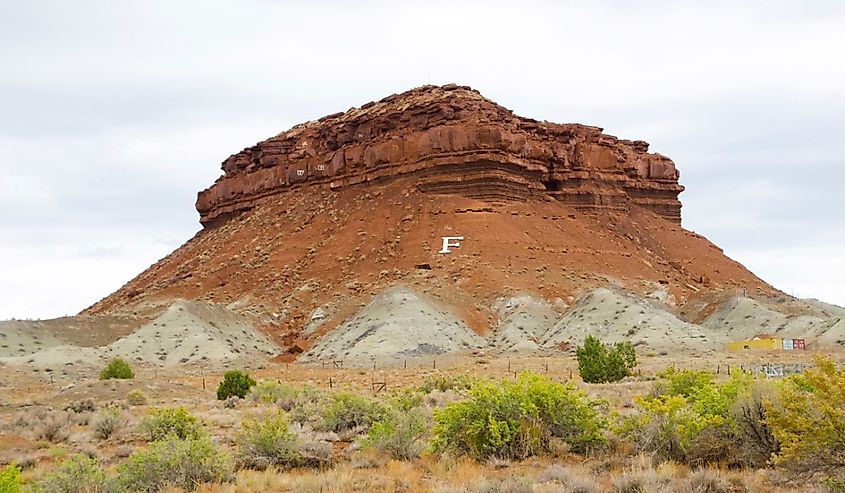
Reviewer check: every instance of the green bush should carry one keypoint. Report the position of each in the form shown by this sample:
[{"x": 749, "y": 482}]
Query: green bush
[
  {"x": 808, "y": 419},
  {"x": 163, "y": 422},
  {"x": 117, "y": 368},
  {"x": 77, "y": 474},
  {"x": 174, "y": 462},
  {"x": 517, "y": 419},
  {"x": 346, "y": 411},
  {"x": 10, "y": 479},
  {"x": 599, "y": 363},
  {"x": 235, "y": 383},
  {"x": 267, "y": 442},
  {"x": 399, "y": 434}
]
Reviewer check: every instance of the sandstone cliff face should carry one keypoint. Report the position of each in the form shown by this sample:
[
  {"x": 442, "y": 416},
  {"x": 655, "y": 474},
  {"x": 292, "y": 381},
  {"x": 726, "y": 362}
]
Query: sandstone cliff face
[{"x": 451, "y": 140}]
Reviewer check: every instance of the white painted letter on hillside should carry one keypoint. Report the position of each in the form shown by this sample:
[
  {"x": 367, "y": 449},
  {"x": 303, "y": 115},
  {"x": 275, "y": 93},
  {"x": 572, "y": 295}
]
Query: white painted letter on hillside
[{"x": 450, "y": 241}]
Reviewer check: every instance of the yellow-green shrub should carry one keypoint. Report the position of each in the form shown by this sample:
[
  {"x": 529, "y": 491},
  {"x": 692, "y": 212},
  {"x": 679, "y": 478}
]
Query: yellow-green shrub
[
  {"x": 10, "y": 479},
  {"x": 162, "y": 422},
  {"x": 347, "y": 411},
  {"x": 688, "y": 418},
  {"x": 400, "y": 434},
  {"x": 174, "y": 462},
  {"x": 267, "y": 442},
  {"x": 808, "y": 419},
  {"x": 270, "y": 391},
  {"x": 514, "y": 419},
  {"x": 77, "y": 474}
]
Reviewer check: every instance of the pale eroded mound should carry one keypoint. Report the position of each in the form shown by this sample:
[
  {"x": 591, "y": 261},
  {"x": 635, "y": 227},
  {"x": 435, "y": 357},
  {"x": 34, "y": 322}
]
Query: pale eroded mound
[
  {"x": 398, "y": 324},
  {"x": 523, "y": 321},
  {"x": 187, "y": 332},
  {"x": 613, "y": 317}
]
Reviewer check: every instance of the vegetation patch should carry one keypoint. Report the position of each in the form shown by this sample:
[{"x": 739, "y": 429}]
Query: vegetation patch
[
  {"x": 117, "y": 369},
  {"x": 516, "y": 419},
  {"x": 601, "y": 363},
  {"x": 161, "y": 423},
  {"x": 174, "y": 462},
  {"x": 235, "y": 383}
]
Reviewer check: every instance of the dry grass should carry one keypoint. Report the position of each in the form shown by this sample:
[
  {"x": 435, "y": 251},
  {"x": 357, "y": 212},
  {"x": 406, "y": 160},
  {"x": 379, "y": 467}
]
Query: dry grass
[{"x": 618, "y": 470}]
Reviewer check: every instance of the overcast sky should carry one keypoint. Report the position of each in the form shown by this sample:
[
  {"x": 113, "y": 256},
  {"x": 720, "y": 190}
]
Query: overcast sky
[{"x": 114, "y": 114}]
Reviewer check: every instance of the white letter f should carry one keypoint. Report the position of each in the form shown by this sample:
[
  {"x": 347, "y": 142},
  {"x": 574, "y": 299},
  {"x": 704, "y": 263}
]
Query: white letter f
[{"x": 450, "y": 241}]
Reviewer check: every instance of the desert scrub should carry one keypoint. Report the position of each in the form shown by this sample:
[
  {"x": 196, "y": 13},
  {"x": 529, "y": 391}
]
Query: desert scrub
[
  {"x": 443, "y": 383},
  {"x": 346, "y": 411},
  {"x": 405, "y": 399},
  {"x": 53, "y": 427},
  {"x": 755, "y": 442},
  {"x": 306, "y": 407},
  {"x": 807, "y": 417},
  {"x": 174, "y": 462},
  {"x": 271, "y": 392},
  {"x": 77, "y": 474},
  {"x": 107, "y": 421},
  {"x": 117, "y": 368},
  {"x": 10, "y": 479},
  {"x": 688, "y": 418},
  {"x": 136, "y": 398},
  {"x": 600, "y": 363},
  {"x": 177, "y": 421},
  {"x": 267, "y": 442},
  {"x": 684, "y": 382},
  {"x": 399, "y": 435},
  {"x": 529, "y": 416},
  {"x": 235, "y": 383}
]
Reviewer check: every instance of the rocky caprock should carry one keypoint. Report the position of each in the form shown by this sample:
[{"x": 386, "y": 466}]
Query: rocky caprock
[{"x": 455, "y": 141}]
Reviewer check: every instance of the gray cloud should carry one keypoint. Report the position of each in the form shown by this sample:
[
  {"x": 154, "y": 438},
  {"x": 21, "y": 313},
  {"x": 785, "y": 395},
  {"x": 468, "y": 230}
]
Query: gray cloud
[{"x": 116, "y": 113}]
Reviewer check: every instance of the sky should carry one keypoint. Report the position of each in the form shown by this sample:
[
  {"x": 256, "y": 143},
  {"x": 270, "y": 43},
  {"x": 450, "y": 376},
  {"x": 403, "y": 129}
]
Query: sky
[{"x": 113, "y": 115}]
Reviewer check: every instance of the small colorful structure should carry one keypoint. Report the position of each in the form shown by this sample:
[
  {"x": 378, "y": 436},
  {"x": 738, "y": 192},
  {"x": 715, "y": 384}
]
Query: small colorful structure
[{"x": 766, "y": 342}]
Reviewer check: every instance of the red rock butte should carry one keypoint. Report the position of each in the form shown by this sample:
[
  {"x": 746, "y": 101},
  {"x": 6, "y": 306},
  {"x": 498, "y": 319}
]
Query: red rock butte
[
  {"x": 304, "y": 229},
  {"x": 451, "y": 140}
]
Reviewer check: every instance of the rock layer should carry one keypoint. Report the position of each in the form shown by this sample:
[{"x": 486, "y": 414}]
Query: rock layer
[{"x": 453, "y": 141}]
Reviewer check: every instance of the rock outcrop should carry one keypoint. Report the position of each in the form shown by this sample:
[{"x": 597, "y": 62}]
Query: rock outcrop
[
  {"x": 453, "y": 141},
  {"x": 306, "y": 229}
]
